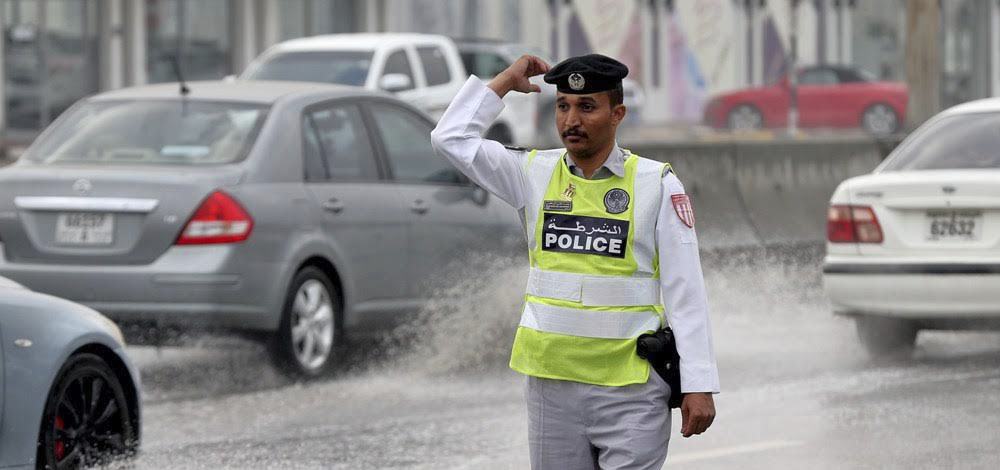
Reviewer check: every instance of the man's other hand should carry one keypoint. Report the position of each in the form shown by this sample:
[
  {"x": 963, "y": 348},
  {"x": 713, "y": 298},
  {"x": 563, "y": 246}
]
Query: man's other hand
[
  {"x": 697, "y": 413},
  {"x": 516, "y": 76}
]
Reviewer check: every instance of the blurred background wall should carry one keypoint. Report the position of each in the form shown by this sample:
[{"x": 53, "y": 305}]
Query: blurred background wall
[{"x": 680, "y": 51}]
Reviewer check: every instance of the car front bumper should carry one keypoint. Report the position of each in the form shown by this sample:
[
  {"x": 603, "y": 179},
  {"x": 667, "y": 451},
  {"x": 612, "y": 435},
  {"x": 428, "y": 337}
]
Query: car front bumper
[
  {"x": 915, "y": 290},
  {"x": 187, "y": 286}
]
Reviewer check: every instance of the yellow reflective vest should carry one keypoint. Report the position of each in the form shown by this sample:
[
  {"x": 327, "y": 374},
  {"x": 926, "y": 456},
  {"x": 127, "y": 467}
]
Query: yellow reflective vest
[{"x": 593, "y": 287}]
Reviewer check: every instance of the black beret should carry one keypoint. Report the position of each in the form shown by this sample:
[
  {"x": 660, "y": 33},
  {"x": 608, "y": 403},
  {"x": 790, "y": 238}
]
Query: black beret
[{"x": 587, "y": 74}]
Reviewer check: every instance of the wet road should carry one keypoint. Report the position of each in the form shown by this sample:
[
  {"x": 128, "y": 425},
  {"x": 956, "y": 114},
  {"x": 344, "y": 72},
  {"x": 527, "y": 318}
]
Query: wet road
[{"x": 797, "y": 392}]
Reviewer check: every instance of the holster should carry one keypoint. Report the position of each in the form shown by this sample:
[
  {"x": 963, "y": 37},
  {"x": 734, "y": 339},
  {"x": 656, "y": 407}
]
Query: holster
[{"x": 660, "y": 350}]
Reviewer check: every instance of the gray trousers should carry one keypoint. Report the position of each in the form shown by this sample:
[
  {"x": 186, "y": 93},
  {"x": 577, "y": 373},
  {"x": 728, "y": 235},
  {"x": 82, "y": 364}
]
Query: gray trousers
[{"x": 576, "y": 426}]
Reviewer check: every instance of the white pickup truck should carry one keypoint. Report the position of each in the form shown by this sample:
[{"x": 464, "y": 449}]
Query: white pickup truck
[{"x": 424, "y": 70}]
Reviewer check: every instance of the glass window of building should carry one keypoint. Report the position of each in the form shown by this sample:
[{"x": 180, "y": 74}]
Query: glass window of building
[
  {"x": 196, "y": 32},
  {"x": 300, "y": 18},
  {"x": 49, "y": 56}
]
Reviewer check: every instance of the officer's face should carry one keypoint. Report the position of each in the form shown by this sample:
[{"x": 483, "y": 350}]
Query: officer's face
[{"x": 587, "y": 123}]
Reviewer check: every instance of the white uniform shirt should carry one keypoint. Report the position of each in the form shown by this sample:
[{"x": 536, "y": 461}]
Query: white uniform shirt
[{"x": 458, "y": 137}]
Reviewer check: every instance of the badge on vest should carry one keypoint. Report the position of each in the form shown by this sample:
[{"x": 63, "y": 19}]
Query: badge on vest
[
  {"x": 584, "y": 235},
  {"x": 616, "y": 201},
  {"x": 558, "y": 206}
]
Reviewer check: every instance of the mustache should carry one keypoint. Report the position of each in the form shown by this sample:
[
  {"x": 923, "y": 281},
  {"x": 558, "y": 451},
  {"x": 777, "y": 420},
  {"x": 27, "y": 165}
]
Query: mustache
[{"x": 574, "y": 131}]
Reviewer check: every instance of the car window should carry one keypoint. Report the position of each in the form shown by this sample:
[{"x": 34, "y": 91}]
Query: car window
[
  {"x": 341, "y": 138},
  {"x": 154, "y": 132},
  {"x": 967, "y": 141},
  {"x": 407, "y": 142},
  {"x": 818, "y": 77},
  {"x": 398, "y": 62},
  {"x": 312, "y": 155},
  {"x": 484, "y": 64},
  {"x": 850, "y": 76},
  {"x": 435, "y": 66},
  {"x": 341, "y": 67}
]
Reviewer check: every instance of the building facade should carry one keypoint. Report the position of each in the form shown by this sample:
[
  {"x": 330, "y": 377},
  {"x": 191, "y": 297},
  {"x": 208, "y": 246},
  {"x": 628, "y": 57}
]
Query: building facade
[{"x": 680, "y": 51}]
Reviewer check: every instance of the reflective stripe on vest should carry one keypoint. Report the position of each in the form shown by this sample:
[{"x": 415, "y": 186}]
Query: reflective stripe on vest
[
  {"x": 594, "y": 290},
  {"x": 589, "y": 324}
]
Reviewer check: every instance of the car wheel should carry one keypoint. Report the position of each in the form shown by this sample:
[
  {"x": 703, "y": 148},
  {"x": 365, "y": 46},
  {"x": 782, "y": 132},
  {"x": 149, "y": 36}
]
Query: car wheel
[
  {"x": 500, "y": 134},
  {"x": 880, "y": 120},
  {"x": 86, "y": 421},
  {"x": 886, "y": 337},
  {"x": 745, "y": 117},
  {"x": 306, "y": 341}
]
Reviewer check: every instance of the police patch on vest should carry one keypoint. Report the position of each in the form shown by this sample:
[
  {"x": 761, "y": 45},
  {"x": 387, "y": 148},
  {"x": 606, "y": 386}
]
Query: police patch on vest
[
  {"x": 585, "y": 235},
  {"x": 616, "y": 201},
  {"x": 558, "y": 206}
]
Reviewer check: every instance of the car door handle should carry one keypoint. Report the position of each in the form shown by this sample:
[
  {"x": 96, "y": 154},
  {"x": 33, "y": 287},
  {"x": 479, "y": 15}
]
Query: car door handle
[
  {"x": 419, "y": 206},
  {"x": 333, "y": 205}
]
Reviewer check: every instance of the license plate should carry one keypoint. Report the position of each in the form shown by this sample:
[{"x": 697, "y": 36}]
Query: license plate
[
  {"x": 960, "y": 225},
  {"x": 85, "y": 228}
]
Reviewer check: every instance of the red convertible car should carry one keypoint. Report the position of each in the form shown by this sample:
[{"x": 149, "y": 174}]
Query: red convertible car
[{"x": 828, "y": 96}]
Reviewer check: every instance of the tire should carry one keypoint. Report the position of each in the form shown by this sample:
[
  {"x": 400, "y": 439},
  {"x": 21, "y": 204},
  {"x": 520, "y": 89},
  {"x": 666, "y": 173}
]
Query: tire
[
  {"x": 307, "y": 339},
  {"x": 886, "y": 337},
  {"x": 745, "y": 117},
  {"x": 81, "y": 428},
  {"x": 501, "y": 134},
  {"x": 880, "y": 120}
]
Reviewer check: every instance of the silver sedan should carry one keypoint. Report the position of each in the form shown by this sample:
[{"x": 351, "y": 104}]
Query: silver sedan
[
  {"x": 69, "y": 396},
  {"x": 305, "y": 211}
]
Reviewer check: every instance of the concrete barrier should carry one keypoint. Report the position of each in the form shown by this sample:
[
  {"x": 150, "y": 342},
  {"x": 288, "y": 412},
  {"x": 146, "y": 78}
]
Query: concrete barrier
[{"x": 766, "y": 193}]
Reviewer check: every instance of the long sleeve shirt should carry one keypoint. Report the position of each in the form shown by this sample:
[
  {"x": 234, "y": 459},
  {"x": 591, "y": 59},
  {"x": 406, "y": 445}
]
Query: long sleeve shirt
[{"x": 498, "y": 169}]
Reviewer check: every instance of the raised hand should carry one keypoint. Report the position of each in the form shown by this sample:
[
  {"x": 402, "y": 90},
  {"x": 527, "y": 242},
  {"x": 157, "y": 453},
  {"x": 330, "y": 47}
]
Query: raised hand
[{"x": 515, "y": 77}]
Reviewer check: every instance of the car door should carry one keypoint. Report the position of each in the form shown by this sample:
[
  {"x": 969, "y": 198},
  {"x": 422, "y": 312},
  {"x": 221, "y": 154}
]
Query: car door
[
  {"x": 452, "y": 222},
  {"x": 362, "y": 213},
  {"x": 817, "y": 93},
  {"x": 398, "y": 61},
  {"x": 437, "y": 75}
]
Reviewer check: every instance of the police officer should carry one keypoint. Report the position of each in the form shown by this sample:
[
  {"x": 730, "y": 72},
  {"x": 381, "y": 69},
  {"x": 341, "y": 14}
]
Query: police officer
[{"x": 609, "y": 235}]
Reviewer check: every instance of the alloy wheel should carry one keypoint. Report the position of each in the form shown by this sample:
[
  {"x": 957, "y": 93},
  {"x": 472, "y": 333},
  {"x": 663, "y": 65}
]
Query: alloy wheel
[{"x": 312, "y": 325}]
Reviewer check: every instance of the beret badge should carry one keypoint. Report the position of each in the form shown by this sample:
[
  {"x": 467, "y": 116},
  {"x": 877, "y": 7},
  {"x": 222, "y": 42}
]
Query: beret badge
[{"x": 576, "y": 81}]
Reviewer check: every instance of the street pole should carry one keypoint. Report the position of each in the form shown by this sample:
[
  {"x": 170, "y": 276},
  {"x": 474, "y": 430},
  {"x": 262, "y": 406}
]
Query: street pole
[
  {"x": 793, "y": 57},
  {"x": 923, "y": 60}
]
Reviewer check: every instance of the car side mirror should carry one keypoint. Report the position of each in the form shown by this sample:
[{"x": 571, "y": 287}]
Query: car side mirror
[{"x": 393, "y": 82}]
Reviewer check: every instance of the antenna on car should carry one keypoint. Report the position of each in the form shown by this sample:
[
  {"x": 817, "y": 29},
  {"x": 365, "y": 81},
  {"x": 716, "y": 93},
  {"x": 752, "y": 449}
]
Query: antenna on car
[{"x": 180, "y": 77}]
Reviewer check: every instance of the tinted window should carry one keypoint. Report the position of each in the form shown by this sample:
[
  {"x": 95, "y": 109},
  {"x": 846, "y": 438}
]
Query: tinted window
[
  {"x": 407, "y": 142},
  {"x": 397, "y": 62},
  {"x": 342, "y": 67},
  {"x": 818, "y": 77},
  {"x": 956, "y": 142},
  {"x": 850, "y": 76},
  {"x": 484, "y": 64},
  {"x": 169, "y": 131},
  {"x": 343, "y": 142},
  {"x": 312, "y": 154},
  {"x": 435, "y": 67}
]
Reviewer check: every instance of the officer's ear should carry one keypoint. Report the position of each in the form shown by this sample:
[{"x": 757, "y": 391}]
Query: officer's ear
[{"x": 618, "y": 113}]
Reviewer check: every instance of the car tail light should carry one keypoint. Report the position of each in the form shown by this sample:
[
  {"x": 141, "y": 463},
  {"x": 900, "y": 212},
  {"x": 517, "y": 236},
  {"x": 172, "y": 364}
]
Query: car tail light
[
  {"x": 219, "y": 219},
  {"x": 852, "y": 224}
]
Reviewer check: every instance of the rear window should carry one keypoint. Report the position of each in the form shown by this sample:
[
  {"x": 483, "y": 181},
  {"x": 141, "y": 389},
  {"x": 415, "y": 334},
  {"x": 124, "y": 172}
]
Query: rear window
[
  {"x": 966, "y": 141},
  {"x": 150, "y": 132},
  {"x": 340, "y": 67}
]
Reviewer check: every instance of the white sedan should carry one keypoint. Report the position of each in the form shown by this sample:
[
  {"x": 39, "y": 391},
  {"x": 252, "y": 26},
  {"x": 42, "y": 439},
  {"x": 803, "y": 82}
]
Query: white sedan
[{"x": 916, "y": 244}]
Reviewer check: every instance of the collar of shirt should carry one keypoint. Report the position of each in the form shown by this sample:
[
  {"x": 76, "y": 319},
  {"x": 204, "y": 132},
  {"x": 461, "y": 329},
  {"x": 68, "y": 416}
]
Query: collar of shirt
[{"x": 613, "y": 166}]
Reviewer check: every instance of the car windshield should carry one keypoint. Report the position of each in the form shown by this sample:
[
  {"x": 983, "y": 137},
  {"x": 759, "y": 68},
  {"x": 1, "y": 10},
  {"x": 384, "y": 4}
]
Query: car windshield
[
  {"x": 175, "y": 131},
  {"x": 965, "y": 141},
  {"x": 340, "y": 67}
]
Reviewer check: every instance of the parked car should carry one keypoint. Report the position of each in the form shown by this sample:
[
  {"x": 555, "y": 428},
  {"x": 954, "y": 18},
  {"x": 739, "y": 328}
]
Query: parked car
[
  {"x": 828, "y": 96},
  {"x": 69, "y": 395},
  {"x": 301, "y": 210},
  {"x": 916, "y": 244},
  {"x": 529, "y": 119}
]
